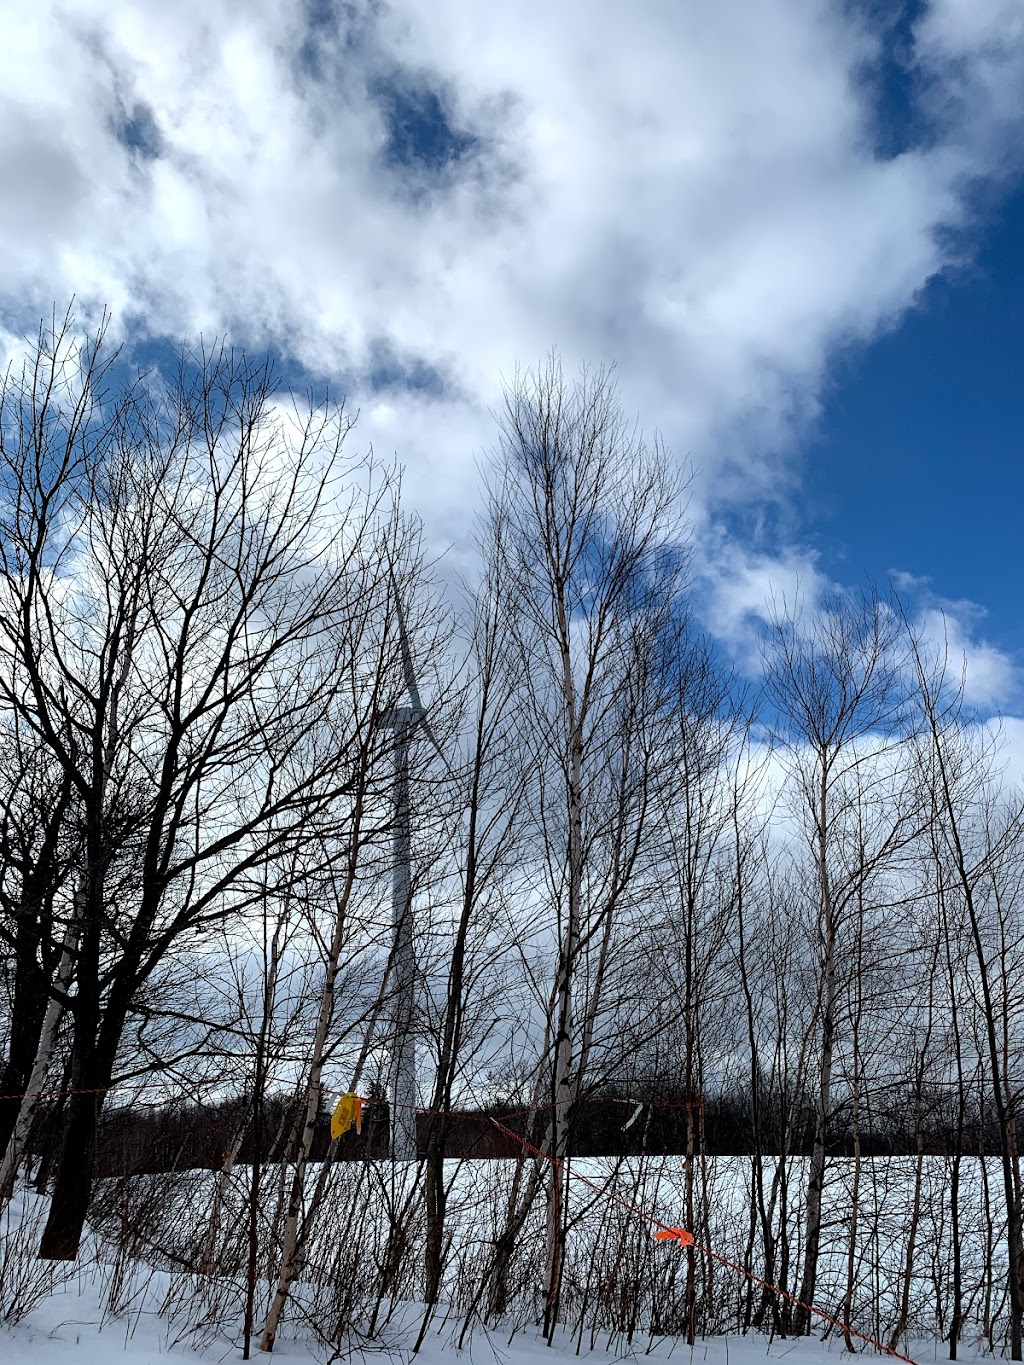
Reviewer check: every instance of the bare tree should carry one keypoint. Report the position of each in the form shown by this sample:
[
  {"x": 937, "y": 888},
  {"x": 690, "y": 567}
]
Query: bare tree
[
  {"x": 835, "y": 681},
  {"x": 978, "y": 839},
  {"x": 590, "y": 549},
  {"x": 180, "y": 575},
  {"x": 487, "y": 792},
  {"x": 35, "y": 863},
  {"x": 701, "y": 895},
  {"x": 339, "y": 868}
]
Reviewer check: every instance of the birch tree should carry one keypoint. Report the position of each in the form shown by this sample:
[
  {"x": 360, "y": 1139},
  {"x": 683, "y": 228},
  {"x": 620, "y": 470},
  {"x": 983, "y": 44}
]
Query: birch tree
[
  {"x": 591, "y": 555},
  {"x": 487, "y": 791},
  {"x": 977, "y": 837},
  {"x": 835, "y": 680},
  {"x": 341, "y": 864}
]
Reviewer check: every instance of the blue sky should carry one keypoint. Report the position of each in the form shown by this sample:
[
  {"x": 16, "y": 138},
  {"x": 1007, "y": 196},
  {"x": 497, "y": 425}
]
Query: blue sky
[
  {"x": 917, "y": 464},
  {"x": 793, "y": 227}
]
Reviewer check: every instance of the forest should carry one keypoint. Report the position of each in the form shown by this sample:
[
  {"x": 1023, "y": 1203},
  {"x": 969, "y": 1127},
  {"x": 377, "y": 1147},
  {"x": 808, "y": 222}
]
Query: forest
[{"x": 605, "y": 931}]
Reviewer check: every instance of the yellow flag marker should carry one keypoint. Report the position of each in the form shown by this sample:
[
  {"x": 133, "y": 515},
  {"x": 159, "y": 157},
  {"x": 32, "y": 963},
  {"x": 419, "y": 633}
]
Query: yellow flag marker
[{"x": 347, "y": 1111}]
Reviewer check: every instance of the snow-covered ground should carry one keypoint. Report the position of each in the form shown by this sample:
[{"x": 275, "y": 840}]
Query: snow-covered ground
[
  {"x": 69, "y": 1329},
  {"x": 125, "y": 1298},
  {"x": 72, "y": 1326}
]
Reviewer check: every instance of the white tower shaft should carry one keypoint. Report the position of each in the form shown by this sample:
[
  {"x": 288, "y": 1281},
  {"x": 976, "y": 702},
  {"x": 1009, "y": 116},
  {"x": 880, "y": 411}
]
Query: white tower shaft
[{"x": 403, "y": 993}]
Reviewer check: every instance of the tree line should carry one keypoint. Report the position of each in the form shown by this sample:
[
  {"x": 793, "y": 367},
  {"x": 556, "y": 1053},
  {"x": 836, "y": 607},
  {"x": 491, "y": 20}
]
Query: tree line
[
  {"x": 172, "y": 1136},
  {"x": 785, "y": 908}
]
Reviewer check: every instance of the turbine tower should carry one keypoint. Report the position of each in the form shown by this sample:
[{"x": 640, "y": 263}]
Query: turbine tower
[{"x": 403, "y": 1091}]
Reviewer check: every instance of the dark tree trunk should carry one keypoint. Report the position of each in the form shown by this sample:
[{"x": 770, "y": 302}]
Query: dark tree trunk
[
  {"x": 73, "y": 1175},
  {"x": 27, "y": 1010},
  {"x": 436, "y": 1200},
  {"x": 92, "y": 1065}
]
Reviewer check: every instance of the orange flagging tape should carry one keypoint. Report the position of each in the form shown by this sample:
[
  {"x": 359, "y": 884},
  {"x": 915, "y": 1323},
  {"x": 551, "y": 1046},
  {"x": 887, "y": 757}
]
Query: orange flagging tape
[{"x": 680, "y": 1235}]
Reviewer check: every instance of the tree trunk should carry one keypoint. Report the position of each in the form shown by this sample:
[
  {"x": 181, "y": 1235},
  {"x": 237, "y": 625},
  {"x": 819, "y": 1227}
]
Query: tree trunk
[
  {"x": 812, "y": 1237},
  {"x": 691, "y": 1140},
  {"x": 289, "y": 1260},
  {"x": 91, "y": 1069},
  {"x": 28, "y": 1011},
  {"x": 36, "y": 1080},
  {"x": 816, "y": 1173},
  {"x": 851, "y": 1249},
  {"x": 564, "y": 1084}
]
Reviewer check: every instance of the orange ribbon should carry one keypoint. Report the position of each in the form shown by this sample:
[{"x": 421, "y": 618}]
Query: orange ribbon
[{"x": 680, "y": 1235}]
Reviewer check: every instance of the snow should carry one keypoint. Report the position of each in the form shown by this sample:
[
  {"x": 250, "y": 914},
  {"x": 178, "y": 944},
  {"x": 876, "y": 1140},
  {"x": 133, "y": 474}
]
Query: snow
[
  {"x": 71, "y": 1327},
  {"x": 108, "y": 1307}
]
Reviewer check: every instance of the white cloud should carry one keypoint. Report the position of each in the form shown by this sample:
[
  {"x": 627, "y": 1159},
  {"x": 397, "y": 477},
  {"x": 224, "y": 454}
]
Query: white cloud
[
  {"x": 690, "y": 190},
  {"x": 951, "y": 635},
  {"x": 1008, "y": 733},
  {"x": 746, "y": 588},
  {"x": 990, "y": 676},
  {"x": 743, "y": 588},
  {"x": 974, "y": 50}
]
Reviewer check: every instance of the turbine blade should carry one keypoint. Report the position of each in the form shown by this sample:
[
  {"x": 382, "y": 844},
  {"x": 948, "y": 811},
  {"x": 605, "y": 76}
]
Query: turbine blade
[{"x": 403, "y": 640}]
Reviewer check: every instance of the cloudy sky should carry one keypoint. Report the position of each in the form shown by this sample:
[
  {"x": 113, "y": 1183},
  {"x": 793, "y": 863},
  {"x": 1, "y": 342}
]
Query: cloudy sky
[{"x": 794, "y": 225}]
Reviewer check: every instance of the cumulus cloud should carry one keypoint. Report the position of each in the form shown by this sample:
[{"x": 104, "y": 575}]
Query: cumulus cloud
[
  {"x": 1008, "y": 733},
  {"x": 411, "y": 198},
  {"x": 973, "y": 51},
  {"x": 991, "y": 678},
  {"x": 744, "y": 589},
  {"x": 951, "y": 634}
]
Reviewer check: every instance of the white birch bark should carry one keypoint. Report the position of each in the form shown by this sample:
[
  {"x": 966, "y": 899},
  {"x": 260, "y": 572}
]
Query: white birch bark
[{"x": 44, "y": 1053}]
